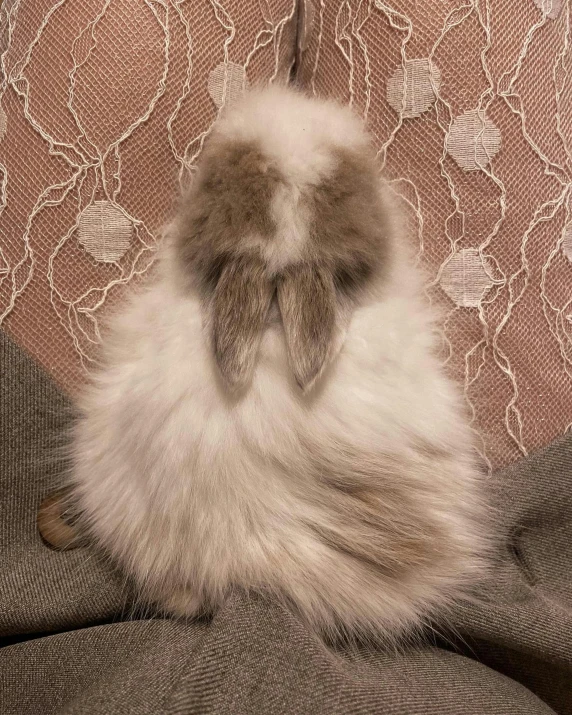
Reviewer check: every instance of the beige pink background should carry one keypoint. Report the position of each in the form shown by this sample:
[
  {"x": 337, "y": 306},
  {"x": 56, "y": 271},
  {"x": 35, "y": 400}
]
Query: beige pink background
[{"x": 104, "y": 106}]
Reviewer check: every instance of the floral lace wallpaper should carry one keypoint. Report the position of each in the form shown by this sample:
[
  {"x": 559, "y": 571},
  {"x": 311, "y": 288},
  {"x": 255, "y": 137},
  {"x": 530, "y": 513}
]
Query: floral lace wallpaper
[
  {"x": 104, "y": 107},
  {"x": 105, "y": 104}
]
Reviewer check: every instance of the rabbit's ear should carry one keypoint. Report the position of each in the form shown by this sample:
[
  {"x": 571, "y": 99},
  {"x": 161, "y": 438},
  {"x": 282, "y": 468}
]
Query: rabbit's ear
[
  {"x": 310, "y": 312},
  {"x": 239, "y": 308}
]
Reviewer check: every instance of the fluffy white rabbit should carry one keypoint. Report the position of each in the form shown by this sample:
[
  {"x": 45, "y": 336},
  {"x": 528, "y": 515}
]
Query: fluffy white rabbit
[{"x": 272, "y": 414}]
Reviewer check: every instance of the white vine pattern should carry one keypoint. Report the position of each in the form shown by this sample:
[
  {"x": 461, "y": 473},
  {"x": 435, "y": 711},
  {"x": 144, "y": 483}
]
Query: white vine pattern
[
  {"x": 477, "y": 142},
  {"x": 105, "y": 105},
  {"x": 88, "y": 92}
]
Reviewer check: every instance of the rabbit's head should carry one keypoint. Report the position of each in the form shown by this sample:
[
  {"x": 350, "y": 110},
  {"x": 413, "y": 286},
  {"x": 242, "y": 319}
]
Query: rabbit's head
[{"x": 286, "y": 209}]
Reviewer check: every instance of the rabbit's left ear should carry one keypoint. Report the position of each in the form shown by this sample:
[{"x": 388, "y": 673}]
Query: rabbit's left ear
[
  {"x": 239, "y": 307},
  {"x": 312, "y": 319}
]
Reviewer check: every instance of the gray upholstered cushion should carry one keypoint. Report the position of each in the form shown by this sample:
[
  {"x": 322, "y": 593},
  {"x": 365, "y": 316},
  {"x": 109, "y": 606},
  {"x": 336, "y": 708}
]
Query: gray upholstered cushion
[{"x": 255, "y": 657}]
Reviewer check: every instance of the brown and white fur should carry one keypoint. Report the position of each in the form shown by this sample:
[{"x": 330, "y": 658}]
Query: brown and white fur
[{"x": 272, "y": 415}]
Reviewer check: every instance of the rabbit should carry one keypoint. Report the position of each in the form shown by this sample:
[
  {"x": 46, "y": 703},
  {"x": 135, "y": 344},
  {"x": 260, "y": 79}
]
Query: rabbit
[{"x": 271, "y": 413}]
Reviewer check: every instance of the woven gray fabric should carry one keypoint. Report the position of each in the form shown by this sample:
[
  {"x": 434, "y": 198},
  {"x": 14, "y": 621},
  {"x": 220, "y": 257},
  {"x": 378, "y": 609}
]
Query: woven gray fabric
[
  {"x": 256, "y": 657},
  {"x": 253, "y": 658},
  {"x": 41, "y": 589},
  {"x": 526, "y": 629}
]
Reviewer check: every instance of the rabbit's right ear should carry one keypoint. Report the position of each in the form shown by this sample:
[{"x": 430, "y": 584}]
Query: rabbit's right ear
[{"x": 310, "y": 314}]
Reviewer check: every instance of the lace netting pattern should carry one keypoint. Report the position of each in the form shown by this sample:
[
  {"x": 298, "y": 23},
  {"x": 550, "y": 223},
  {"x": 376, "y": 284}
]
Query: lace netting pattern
[
  {"x": 470, "y": 105},
  {"x": 104, "y": 106}
]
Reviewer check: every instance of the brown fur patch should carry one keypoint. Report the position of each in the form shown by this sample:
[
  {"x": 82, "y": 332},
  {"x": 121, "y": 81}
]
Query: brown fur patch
[
  {"x": 308, "y": 306},
  {"x": 349, "y": 230},
  {"x": 239, "y": 307},
  {"x": 229, "y": 203},
  {"x": 374, "y": 504},
  {"x": 228, "y": 206},
  {"x": 347, "y": 247}
]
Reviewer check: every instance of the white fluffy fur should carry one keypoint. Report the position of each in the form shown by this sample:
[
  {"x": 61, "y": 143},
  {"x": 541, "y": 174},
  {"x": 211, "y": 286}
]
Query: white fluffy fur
[{"x": 195, "y": 492}]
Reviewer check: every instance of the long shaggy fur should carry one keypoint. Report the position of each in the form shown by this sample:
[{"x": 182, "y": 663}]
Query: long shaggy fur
[{"x": 271, "y": 414}]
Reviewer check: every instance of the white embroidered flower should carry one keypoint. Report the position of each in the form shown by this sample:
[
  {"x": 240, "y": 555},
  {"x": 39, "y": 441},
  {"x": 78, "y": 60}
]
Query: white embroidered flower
[
  {"x": 411, "y": 90},
  {"x": 550, "y": 8},
  {"x": 227, "y": 83},
  {"x": 473, "y": 140},
  {"x": 465, "y": 278},
  {"x": 104, "y": 231}
]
